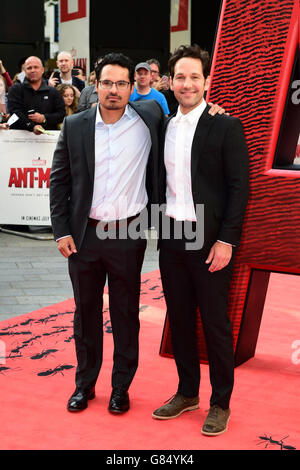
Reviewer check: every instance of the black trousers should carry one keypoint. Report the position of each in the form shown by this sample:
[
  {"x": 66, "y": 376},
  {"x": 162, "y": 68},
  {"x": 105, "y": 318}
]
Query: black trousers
[
  {"x": 120, "y": 260},
  {"x": 187, "y": 283}
]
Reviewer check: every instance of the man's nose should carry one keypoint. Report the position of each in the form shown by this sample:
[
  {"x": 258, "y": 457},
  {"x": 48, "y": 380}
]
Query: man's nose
[
  {"x": 187, "y": 82},
  {"x": 114, "y": 87}
]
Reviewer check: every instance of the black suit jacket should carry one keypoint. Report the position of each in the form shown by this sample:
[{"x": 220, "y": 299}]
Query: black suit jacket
[
  {"x": 72, "y": 172},
  {"x": 220, "y": 176}
]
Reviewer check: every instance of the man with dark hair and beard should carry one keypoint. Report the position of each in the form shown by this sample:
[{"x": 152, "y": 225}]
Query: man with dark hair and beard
[{"x": 103, "y": 167}]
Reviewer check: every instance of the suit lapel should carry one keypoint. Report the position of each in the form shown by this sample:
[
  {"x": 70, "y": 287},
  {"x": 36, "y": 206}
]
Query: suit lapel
[
  {"x": 147, "y": 118},
  {"x": 200, "y": 136},
  {"x": 88, "y": 130}
]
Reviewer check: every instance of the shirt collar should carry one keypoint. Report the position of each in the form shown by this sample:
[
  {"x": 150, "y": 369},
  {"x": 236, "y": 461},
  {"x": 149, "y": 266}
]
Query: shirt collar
[
  {"x": 128, "y": 113},
  {"x": 193, "y": 116}
]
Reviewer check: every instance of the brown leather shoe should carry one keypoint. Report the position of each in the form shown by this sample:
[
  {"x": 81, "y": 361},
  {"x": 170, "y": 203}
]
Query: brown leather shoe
[
  {"x": 216, "y": 422},
  {"x": 177, "y": 405}
]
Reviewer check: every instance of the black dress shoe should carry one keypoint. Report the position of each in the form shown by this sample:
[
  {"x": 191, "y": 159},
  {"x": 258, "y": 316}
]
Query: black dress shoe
[
  {"x": 79, "y": 399},
  {"x": 119, "y": 401}
]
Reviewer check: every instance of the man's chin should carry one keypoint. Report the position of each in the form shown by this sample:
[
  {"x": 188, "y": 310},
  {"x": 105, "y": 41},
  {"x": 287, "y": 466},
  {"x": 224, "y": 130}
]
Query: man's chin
[
  {"x": 113, "y": 105},
  {"x": 33, "y": 80}
]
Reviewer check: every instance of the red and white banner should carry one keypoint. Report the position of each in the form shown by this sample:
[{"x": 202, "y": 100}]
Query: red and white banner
[
  {"x": 74, "y": 31},
  {"x": 25, "y": 166},
  {"x": 180, "y": 23}
]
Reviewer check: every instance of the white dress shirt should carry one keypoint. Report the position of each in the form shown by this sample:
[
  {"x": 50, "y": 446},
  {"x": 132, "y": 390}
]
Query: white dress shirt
[
  {"x": 178, "y": 144},
  {"x": 121, "y": 155}
]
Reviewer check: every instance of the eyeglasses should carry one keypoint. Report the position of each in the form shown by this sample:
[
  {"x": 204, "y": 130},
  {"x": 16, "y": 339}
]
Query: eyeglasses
[
  {"x": 154, "y": 71},
  {"x": 107, "y": 84}
]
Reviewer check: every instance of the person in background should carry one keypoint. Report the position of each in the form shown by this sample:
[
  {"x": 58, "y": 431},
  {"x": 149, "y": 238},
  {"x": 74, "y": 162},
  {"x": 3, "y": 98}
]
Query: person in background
[
  {"x": 5, "y": 75},
  {"x": 88, "y": 98},
  {"x": 155, "y": 70},
  {"x": 92, "y": 78},
  {"x": 68, "y": 93},
  {"x": 65, "y": 65},
  {"x": 19, "y": 76},
  {"x": 3, "y": 89},
  {"x": 37, "y": 105},
  {"x": 89, "y": 95},
  {"x": 143, "y": 90},
  {"x": 81, "y": 73}
]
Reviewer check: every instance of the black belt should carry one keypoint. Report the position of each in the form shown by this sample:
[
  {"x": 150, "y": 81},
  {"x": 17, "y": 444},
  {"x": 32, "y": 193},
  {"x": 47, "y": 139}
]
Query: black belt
[{"x": 112, "y": 224}]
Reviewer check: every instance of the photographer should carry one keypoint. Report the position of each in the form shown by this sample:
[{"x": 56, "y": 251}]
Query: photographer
[{"x": 66, "y": 74}]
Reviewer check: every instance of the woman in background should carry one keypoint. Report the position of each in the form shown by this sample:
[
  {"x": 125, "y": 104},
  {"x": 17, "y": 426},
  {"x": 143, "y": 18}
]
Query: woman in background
[
  {"x": 69, "y": 96},
  {"x": 3, "y": 90}
]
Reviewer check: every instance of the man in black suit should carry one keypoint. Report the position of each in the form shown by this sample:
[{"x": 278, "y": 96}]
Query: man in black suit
[
  {"x": 205, "y": 186},
  {"x": 102, "y": 176}
]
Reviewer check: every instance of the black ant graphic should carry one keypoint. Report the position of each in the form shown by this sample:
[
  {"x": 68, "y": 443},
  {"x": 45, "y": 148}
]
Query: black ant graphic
[
  {"x": 55, "y": 371},
  {"x": 44, "y": 354},
  {"x": 108, "y": 327},
  {"x": 3, "y": 368},
  {"x": 47, "y": 319},
  {"x": 12, "y": 333},
  {"x": 158, "y": 298},
  {"x": 68, "y": 340},
  {"x": 27, "y": 322},
  {"x": 279, "y": 443},
  {"x": 59, "y": 330}
]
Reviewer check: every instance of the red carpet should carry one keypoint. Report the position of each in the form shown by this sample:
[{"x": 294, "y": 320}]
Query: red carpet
[{"x": 37, "y": 378}]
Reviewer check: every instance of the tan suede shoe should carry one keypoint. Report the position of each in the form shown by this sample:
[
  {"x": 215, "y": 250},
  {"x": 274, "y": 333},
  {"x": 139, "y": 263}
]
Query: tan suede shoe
[
  {"x": 216, "y": 422},
  {"x": 177, "y": 405}
]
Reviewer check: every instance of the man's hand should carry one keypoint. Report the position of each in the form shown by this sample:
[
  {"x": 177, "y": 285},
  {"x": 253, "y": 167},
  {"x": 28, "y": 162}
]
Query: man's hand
[
  {"x": 216, "y": 109},
  {"x": 36, "y": 129},
  {"x": 52, "y": 81},
  {"x": 66, "y": 246},
  {"x": 37, "y": 117},
  {"x": 2, "y": 69},
  {"x": 219, "y": 256}
]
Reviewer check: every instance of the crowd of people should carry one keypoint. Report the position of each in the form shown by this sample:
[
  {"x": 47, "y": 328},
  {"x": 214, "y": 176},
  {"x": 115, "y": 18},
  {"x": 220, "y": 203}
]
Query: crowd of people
[{"x": 39, "y": 100}]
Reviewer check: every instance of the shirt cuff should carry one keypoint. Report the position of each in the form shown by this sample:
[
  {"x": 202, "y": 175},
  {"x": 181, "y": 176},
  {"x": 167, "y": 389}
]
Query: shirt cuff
[
  {"x": 60, "y": 238},
  {"x": 225, "y": 243}
]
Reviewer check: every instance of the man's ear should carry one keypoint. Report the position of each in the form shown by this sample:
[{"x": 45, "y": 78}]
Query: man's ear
[
  {"x": 207, "y": 83},
  {"x": 171, "y": 83}
]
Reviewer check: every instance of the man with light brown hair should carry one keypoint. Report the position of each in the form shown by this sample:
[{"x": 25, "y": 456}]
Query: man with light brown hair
[{"x": 204, "y": 183}]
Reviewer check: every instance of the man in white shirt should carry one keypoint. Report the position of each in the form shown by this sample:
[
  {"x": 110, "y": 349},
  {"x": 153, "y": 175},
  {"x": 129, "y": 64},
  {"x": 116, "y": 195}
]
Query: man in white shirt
[
  {"x": 104, "y": 166},
  {"x": 205, "y": 186}
]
